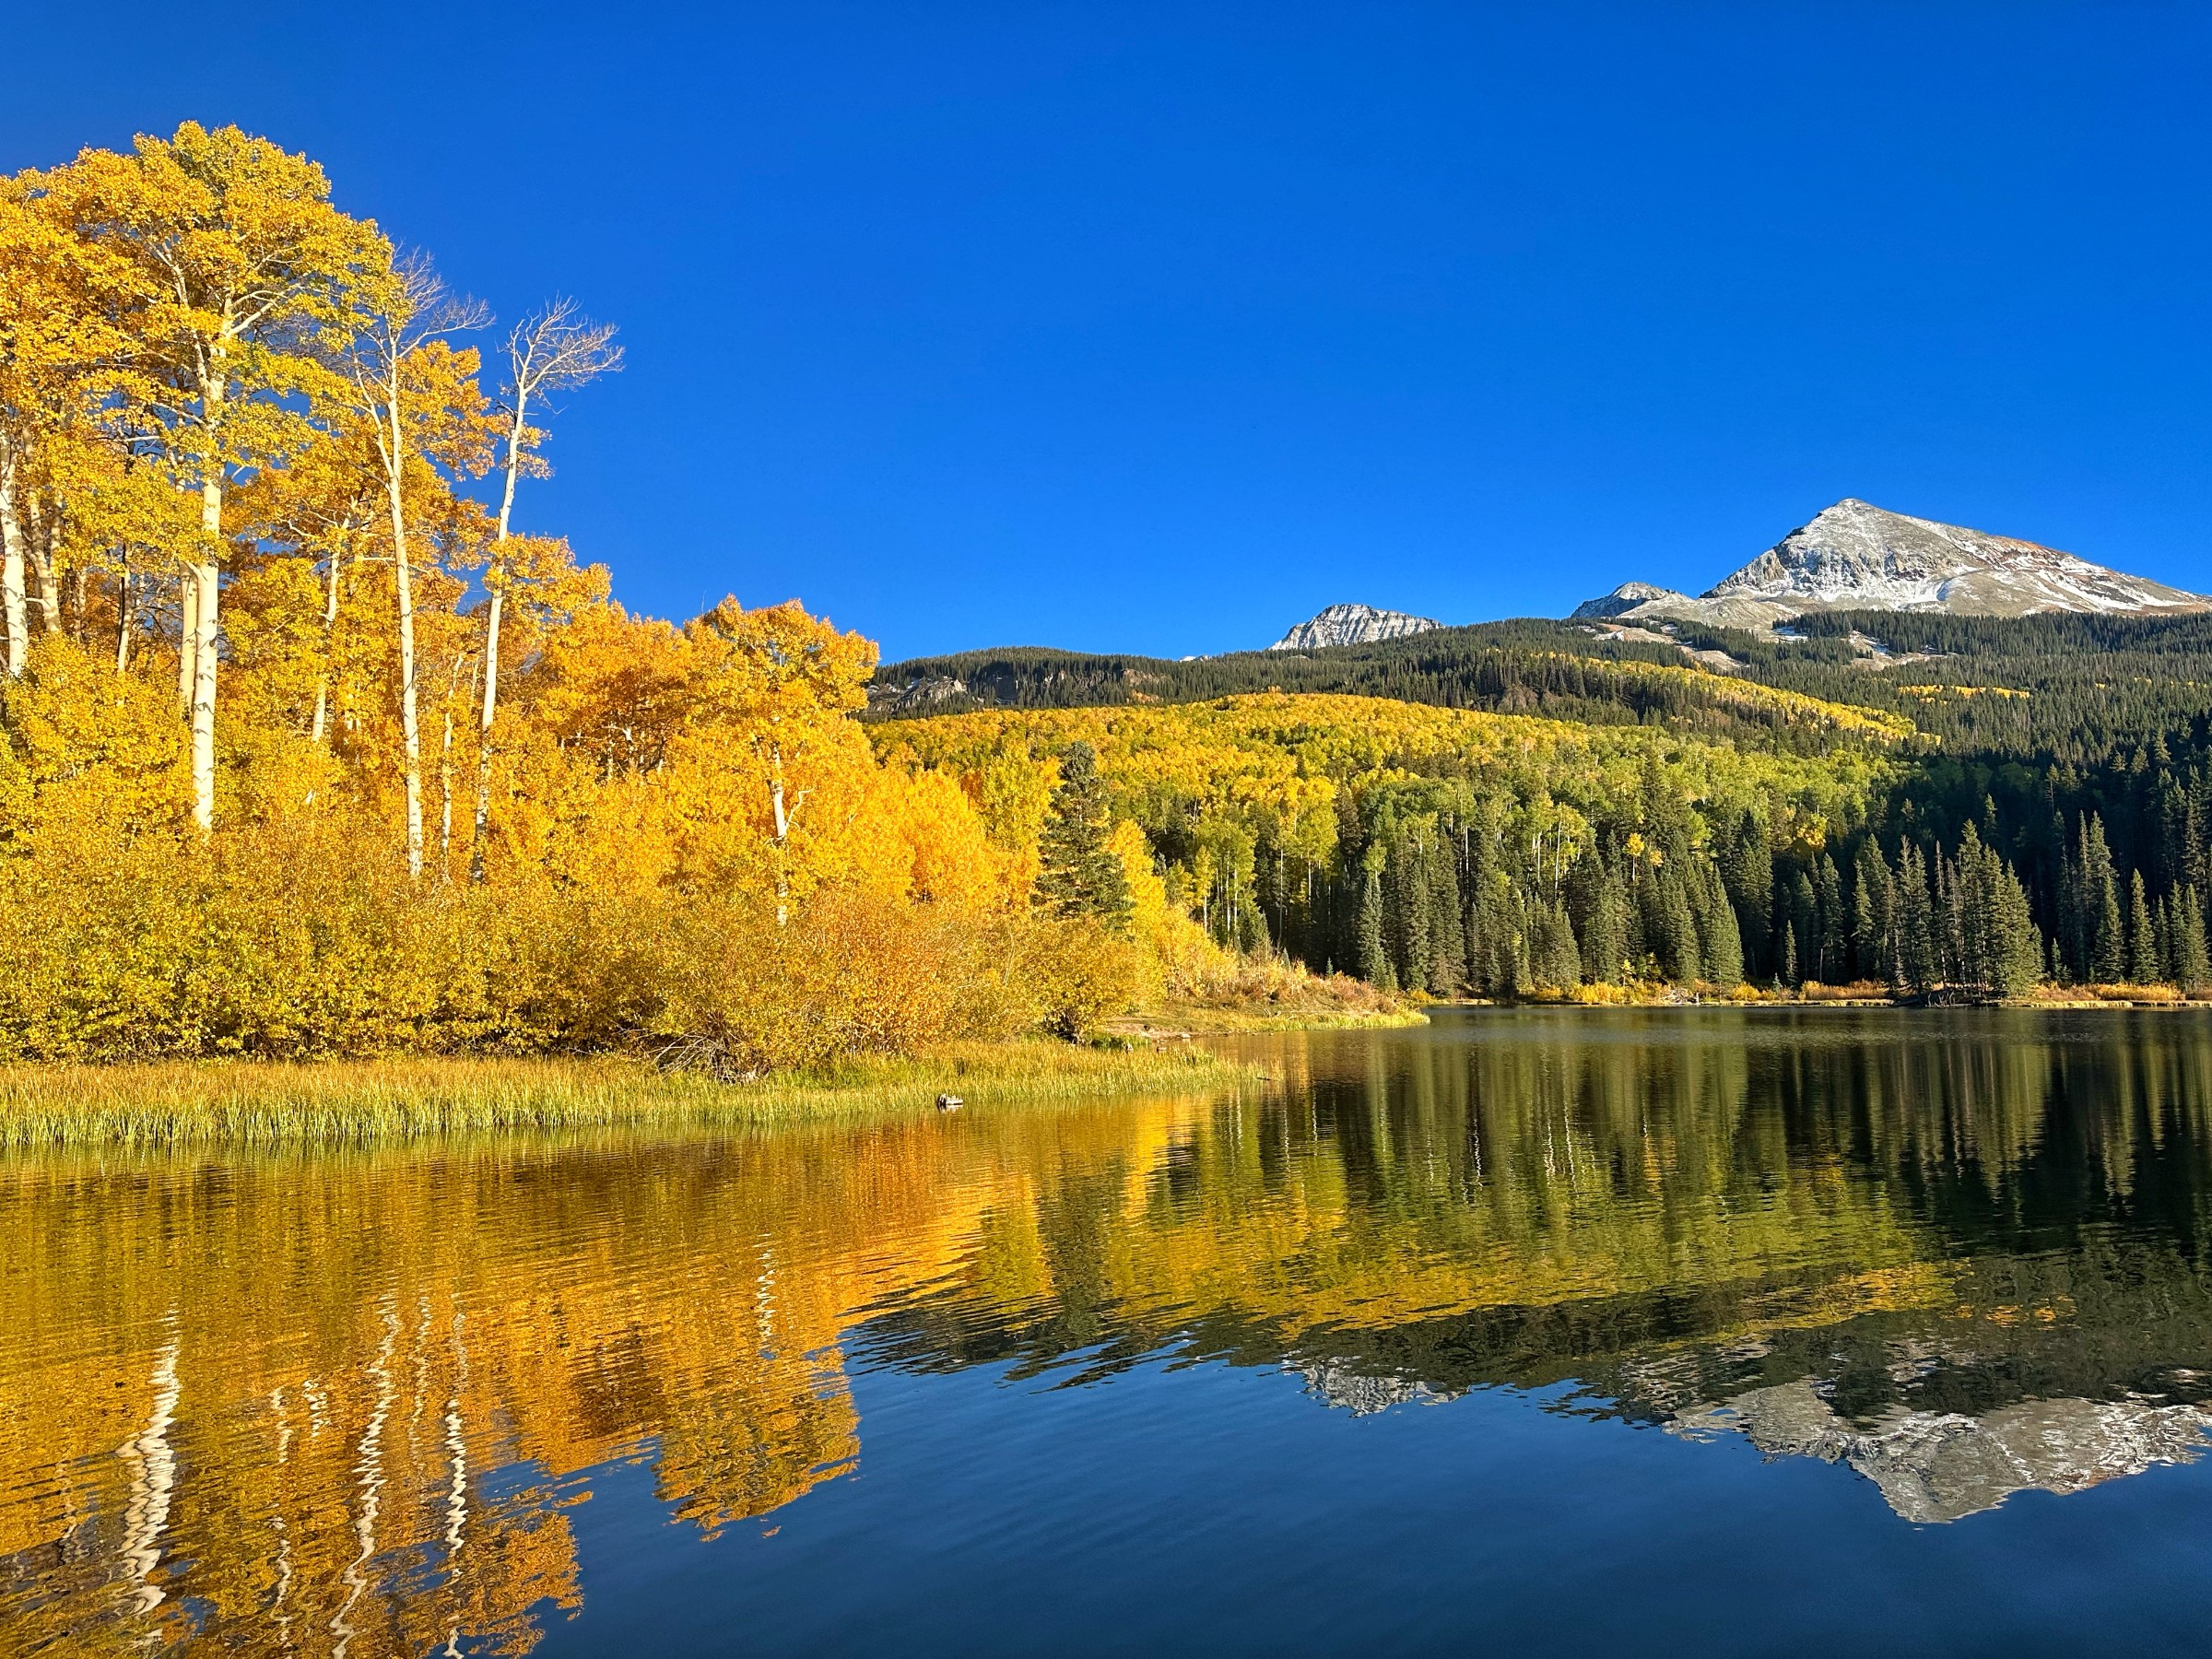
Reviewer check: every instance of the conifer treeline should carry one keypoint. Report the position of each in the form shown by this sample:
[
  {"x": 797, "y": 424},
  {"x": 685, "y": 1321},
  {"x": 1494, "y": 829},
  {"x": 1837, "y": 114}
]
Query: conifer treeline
[
  {"x": 1431, "y": 893},
  {"x": 2078, "y": 749},
  {"x": 1455, "y": 852}
]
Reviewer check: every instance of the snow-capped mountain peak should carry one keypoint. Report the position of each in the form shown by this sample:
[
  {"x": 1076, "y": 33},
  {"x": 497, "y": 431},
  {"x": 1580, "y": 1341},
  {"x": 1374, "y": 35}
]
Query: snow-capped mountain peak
[{"x": 1856, "y": 555}]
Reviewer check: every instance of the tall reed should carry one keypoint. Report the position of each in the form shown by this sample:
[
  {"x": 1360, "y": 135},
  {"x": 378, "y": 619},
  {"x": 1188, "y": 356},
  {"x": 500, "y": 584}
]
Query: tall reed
[{"x": 341, "y": 1101}]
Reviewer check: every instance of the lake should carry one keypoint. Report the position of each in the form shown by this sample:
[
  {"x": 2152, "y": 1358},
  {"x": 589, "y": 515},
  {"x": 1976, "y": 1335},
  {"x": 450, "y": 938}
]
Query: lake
[{"x": 1715, "y": 1330}]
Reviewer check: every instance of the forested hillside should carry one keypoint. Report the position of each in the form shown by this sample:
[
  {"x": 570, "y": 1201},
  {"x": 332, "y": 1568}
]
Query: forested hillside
[
  {"x": 1453, "y": 851},
  {"x": 2094, "y": 682},
  {"x": 2075, "y": 748},
  {"x": 1553, "y": 669}
]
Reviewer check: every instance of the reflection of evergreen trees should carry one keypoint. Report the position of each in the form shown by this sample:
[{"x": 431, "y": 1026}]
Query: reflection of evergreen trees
[{"x": 1938, "y": 1212}]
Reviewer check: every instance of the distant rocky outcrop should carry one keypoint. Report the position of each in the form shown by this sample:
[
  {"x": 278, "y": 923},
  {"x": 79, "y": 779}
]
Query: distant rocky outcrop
[
  {"x": 916, "y": 694},
  {"x": 1352, "y": 625},
  {"x": 1859, "y": 557},
  {"x": 1623, "y": 599}
]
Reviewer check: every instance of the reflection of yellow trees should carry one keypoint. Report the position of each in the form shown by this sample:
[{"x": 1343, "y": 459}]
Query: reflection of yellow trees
[{"x": 342, "y": 1403}]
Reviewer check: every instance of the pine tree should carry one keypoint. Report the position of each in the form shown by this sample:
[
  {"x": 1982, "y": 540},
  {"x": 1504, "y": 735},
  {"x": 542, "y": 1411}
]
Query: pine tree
[
  {"x": 1680, "y": 929},
  {"x": 1748, "y": 873},
  {"x": 2143, "y": 954},
  {"x": 1375, "y": 952},
  {"x": 1721, "y": 942},
  {"x": 1558, "y": 960},
  {"x": 1917, "y": 967},
  {"x": 1804, "y": 929},
  {"x": 1081, "y": 875},
  {"x": 2191, "y": 961},
  {"x": 1605, "y": 933},
  {"x": 1827, "y": 889},
  {"x": 2017, "y": 949},
  {"x": 1872, "y": 901},
  {"x": 2107, "y": 937},
  {"x": 1447, "y": 934},
  {"x": 1408, "y": 884}
]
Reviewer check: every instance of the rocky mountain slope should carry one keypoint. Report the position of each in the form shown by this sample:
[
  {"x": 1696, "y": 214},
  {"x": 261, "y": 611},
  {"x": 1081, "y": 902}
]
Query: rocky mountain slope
[
  {"x": 1859, "y": 557},
  {"x": 1352, "y": 625}
]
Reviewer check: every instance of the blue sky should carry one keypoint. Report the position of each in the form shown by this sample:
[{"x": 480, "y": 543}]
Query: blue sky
[{"x": 1159, "y": 327}]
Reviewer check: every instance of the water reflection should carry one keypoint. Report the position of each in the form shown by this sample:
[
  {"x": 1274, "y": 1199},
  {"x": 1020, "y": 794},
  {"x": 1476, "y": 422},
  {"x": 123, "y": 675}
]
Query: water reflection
[{"x": 347, "y": 1403}]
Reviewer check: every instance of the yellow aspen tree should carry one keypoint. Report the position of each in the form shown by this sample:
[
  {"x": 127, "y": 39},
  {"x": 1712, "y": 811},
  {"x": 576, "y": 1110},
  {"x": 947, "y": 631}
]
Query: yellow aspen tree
[
  {"x": 554, "y": 350},
  {"x": 321, "y": 505},
  {"x": 779, "y": 679},
  {"x": 251, "y": 276},
  {"x": 418, "y": 396},
  {"x": 58, "y": 351}
]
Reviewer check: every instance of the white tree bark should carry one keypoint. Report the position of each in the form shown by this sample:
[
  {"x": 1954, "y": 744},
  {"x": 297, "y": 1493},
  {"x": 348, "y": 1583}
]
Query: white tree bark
[
  {"x": 38, "y": 543},
  {"x": 124, "y": 620},
  {"x": 206, "y": 588},
  {"x": 330, "y": 641},
  {"x": 14, "y": 620},
  {"x": 409, "y": 727},
  {"x": 188, "y": 610},
  {"x": 492, "y": 635}
]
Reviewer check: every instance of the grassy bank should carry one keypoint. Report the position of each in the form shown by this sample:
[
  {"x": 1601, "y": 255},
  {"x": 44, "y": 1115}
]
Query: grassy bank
[{"x": 339, "y": 1101}]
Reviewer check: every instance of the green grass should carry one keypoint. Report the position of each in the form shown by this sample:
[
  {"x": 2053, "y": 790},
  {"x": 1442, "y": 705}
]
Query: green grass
[{"x": 344, "y": 1101}]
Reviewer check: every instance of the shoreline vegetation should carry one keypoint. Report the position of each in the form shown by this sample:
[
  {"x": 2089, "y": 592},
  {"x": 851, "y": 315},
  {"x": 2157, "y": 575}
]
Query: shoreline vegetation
[
  {"x": 1864, "y": 994},
  {"x": 248, "y": 1104}
]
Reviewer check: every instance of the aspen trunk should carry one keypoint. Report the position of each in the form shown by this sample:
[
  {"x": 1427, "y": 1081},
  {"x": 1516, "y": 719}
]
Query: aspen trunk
[
  {"x": 207, "y": 582},
  {"x": 39, "y": 543},
  {"x": 445, "y": 798},
  {"x": 491, "y": 708},
  {"x": 330, "y": 646},
  {"x": 16, "y": 624},
  {"x": 409, "y": 728},
  {"x": 123, "y": 615},
  {"x": 188, "y": 629},
  {"x": 496, "y": 581},
  {"x": 775, "y": 799}
]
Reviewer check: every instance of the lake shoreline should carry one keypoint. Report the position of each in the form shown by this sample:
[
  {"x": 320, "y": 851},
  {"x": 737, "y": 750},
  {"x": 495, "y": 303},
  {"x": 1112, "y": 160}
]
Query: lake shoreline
[{"x": 250, "y": 1102}]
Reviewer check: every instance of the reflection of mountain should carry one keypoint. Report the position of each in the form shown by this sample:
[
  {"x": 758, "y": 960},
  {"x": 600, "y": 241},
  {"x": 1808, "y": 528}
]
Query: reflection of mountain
[
  {"x": 1939, "y": 1467},
  {"x": 1360, "y": 1394},
  {"x": 1959, "y": 1253}
]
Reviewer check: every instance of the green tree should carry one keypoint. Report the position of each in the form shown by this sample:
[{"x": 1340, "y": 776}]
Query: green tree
[
  {"x": 1080, "y": 874},
  {"x": 2144, "y": 963},
  {"x": 1917, "y": 967},
  {"x": 2106, "y": 936},
  {"x": 1374, "y": 951},
  {"x": 1721, "y": 941},
  {"x": 1606, "y": 930},
  {"x": 2191, "y": 961}
]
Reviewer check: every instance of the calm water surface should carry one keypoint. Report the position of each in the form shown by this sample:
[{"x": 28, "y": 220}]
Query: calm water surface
[{"x": 1704, "y": 1332}]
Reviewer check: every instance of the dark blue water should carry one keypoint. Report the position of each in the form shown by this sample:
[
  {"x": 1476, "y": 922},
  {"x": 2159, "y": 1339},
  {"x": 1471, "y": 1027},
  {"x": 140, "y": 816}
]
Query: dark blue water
[{"x": 1695, "y": 1331}]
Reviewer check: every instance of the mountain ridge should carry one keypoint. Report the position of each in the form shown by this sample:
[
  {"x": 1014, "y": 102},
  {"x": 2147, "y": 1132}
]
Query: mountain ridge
[
  {"x": 1855, "y": 555},
  {"x": 1352, "y": 625}
]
